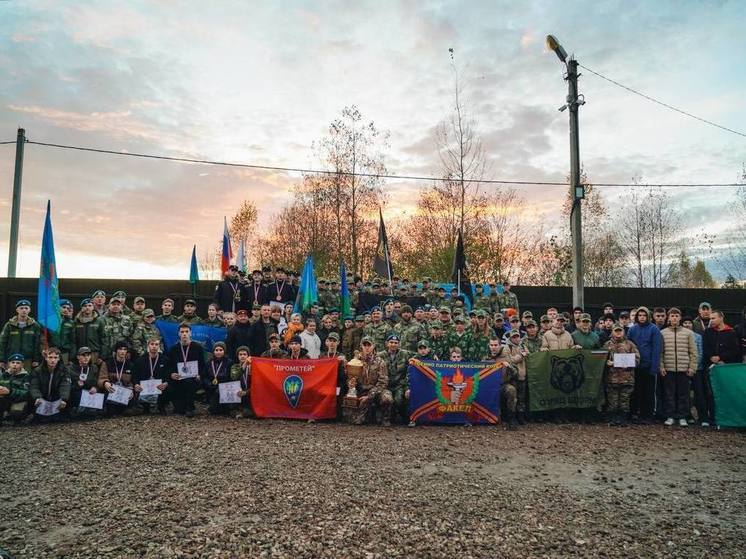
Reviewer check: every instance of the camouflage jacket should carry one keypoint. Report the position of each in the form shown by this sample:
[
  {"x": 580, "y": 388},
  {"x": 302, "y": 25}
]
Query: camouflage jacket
[
  {"x": 439, "y": 347},
  {"x": 141, "y": 335},
  {"x": 532, "y": 344},
  {"x": 480, "y": 345},
  {"x": 112, "y": 329},
  {"x": 397, "y": 366},
  {"x": 351, "y": 341},
  {"x": 191, "y": 320},
  {"x": 18, "y": 385},
  {"x": 483, "y": 302},
  {"x": 409, "y": 334},
  {"x": 374, "y": 375},
  {"x": 378, "y": 333},
  {"x": 25, "y": 340},
  {"x": 508, "y": 301},
  {"x": 463, "y": 342}
]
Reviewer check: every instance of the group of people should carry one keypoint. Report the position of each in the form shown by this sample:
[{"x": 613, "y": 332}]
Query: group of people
[{"x": 108, "y": 347}]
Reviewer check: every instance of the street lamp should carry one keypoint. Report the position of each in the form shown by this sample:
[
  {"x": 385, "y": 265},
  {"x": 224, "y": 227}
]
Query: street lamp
[{"x": 577, "y": 190}]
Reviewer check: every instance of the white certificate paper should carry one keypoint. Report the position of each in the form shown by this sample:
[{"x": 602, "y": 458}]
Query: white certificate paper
[
  {"x": 229, "y": 392},
  {"x": 188, "y": 369},
  {"x": 150, "y": 387},
  {"x": 624, "y": 360},
  {"x": 47, "y": 408},
  {"x": 121, "y": 395},
  {"x": 92, "y": 401}
]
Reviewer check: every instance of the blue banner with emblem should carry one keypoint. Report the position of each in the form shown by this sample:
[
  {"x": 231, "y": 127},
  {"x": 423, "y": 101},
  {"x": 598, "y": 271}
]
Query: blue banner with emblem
[
  {"x": 454, "y": 393},
  {"x": 206, "y": 336}
]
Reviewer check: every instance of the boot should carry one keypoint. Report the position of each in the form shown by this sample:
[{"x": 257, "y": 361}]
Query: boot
[{"x": 521, "y": 418}]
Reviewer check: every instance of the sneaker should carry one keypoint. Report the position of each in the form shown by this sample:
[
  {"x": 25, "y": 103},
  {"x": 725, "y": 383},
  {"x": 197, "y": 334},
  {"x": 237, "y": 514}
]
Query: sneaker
[
  {"x": 412, "y": 424},
  {"x": 668, "y": 421},
  {"x": 683, "y": 423},
  {"x": 705, "y": 424}
]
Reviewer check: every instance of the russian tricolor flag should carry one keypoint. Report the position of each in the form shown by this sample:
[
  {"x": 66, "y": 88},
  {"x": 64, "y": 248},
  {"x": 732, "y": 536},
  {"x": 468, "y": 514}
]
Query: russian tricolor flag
[{"x": 227, "y": 255}]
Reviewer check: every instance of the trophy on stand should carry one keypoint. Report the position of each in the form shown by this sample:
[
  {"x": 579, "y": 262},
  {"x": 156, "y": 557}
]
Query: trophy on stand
[{"x": 354, "y": 369}]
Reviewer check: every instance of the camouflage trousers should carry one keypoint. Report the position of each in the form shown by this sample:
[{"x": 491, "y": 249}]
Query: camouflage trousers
[
  {"x": 618, "y": 397},
  {"x": 377, "y": 400},
  {"x": 401, "y": 405},
  {"x": 514, "y": 396}
]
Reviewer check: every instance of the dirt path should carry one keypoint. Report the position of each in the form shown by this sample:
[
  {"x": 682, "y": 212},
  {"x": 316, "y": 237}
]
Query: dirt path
[{"x": 170, "y": 487}]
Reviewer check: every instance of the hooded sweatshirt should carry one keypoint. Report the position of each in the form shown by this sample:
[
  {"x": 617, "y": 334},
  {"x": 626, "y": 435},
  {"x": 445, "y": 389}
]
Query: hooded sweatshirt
[
  {"x": 647, "y": 337},
  {"x": 723, "y": 343}
]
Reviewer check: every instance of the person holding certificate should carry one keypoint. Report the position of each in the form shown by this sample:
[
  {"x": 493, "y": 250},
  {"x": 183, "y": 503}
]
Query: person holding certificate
[
  {"x": 241, "y": 371},
  {"x": 115, "y": 379},
  {"x": 217, "y": 371},
  {"x": 49, "y": 386},
  {"x": 620, "y": 375},
  {"x": 83, "y": 378},
  {"x": 151, "y": 377},
  {"x": 186, "y": 365}
]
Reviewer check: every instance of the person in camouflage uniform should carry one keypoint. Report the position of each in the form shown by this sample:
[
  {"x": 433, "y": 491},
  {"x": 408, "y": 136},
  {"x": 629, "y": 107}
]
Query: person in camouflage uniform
[
  {"x": 518, "y": 354},
  {"x": 460, "y": 337},
  {"x": 144, "y": 330},
  {"x": 397, "y": 365},
  {"x": 372, "y": 387},
  {"x": 352, "y": 337},
  {"x": 619, "y": 381},
  {"x": 438, "y": 340},
  {"x": 21, "y": 334},
  {"x": 409, "y": 330},
  {"x": 138, "y": 306},
  {"x": 424, "y": 351},
  {"x": 421, "y": 317},
  {"x": 167, "y": 311},
  {"x": 122, "y": 297},
  {"x": 499, "y": 353},
  {"x": 377, "y": 330},
  {"x": 480, "y": 337},
  {"x": 113, "y": 328},
  {"x": 14, "y": 390},
  {"x": 327, "y": 300},
  {"x": 190, "y": 313},
  {"x": 482, "y": 301},
  {"x": 86, "y": 330},
  {"x": 64, "y": 338},
  {"x": 532, "y": 340},
  {"x": 508, "y": 299}
]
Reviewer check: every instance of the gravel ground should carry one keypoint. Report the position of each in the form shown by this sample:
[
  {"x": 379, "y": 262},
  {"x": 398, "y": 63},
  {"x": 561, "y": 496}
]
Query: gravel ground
[{"x": 217, "y": 487}]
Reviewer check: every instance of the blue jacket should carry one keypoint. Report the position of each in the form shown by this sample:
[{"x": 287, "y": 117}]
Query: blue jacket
[{"x": 649, "y": 341}]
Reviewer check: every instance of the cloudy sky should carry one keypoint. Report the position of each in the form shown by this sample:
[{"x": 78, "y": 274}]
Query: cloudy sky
[{"x": 259, "y": 82}]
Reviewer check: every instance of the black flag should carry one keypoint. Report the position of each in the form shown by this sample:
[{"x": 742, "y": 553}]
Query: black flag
[
  {"x": 460, "y": 274},
  {"x": 382, "y": 263}
]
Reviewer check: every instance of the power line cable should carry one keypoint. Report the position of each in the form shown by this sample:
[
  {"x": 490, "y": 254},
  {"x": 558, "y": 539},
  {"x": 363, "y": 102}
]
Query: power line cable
[
  {"x": 345, "y": 173},
  {"x": 662, "y": 104}
]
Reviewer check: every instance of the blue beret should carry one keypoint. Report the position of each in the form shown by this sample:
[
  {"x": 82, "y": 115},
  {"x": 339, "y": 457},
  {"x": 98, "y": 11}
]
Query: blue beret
[
  {"x": 376, "y": 309},
  {"x": 23, "y": 302},
  {"x": 64, "y": 302},
  {"x": 393, "y": 337},
  {"x": 419, "y": 309},
  {"x": 98, "y": 292},
  {"x": 16, "y": 357},
  {"x": 85, "y": 302}
]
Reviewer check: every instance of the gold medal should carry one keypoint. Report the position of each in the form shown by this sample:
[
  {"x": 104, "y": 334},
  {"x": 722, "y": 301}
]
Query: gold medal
[{"x": 215, "y": 381}]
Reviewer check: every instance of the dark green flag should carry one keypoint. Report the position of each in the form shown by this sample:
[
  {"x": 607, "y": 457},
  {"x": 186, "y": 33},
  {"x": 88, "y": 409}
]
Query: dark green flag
[
  {"x": 568, "y": 378},
  {"x": 729, "y": 390}
]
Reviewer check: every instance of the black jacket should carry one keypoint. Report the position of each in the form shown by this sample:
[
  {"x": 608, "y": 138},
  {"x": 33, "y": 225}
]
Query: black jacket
[
  {"x": 259, "y": 343},
  {"x": 240, "y": 334},
  {"x": 723, "y": 343},
  {"x": 225, "y": 293},
  {"x": 284, "y": 291},
  {"x": 160, "y": 369}
]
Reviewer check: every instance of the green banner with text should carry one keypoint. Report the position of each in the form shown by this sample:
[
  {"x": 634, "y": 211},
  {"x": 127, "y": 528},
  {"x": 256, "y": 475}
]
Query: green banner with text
[{"x": 569, "y": 378}]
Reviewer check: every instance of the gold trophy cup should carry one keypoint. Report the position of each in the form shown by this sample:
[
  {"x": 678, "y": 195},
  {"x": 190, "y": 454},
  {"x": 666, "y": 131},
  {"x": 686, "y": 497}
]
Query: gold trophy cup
[{"x": 354, "y": 370}]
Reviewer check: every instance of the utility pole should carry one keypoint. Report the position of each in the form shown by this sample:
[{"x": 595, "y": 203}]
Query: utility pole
[
  {"x": 577, "y": 192},
  {"x": 15, "y": 212}
]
